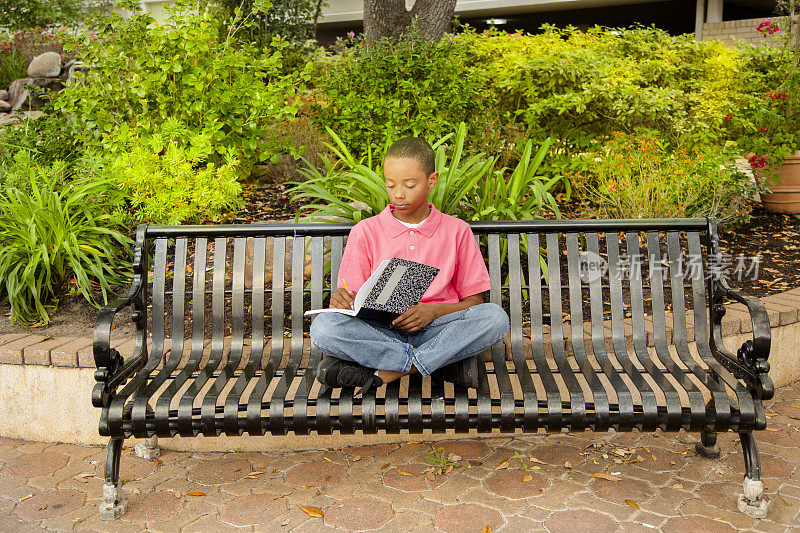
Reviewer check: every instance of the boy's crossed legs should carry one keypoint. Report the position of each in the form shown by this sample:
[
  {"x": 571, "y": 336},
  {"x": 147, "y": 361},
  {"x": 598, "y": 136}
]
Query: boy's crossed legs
[{"x": 394, "y": 353}]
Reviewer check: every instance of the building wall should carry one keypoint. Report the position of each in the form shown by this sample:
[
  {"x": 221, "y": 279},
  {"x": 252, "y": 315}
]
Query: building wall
[{"x": 733, "y": 32}]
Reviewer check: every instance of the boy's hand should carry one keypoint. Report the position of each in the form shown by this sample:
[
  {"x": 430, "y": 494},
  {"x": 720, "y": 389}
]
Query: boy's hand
[
  {"x": 342, "y": 299},
  {"x": 416, "y": 318}
]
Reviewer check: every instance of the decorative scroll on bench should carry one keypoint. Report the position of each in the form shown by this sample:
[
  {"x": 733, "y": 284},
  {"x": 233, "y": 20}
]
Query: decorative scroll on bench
[{"x": 222, "y": 345}]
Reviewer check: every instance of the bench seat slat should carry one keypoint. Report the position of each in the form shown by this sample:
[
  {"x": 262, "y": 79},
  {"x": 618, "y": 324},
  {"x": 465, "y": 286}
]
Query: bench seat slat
[
  {"x": 577, "y": 334},
  {"x": 530, "y": 408},
  {"x": 576, "y": 398},
  {"x": 621, "y": 391},
  {"x": 648, "y": 398},
  {"x": 552, "y": 394}
]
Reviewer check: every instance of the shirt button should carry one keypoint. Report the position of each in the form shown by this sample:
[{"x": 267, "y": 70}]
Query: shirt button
[
  {"x": 412, "y": 247},
  {"x": 411, "y": 232}
]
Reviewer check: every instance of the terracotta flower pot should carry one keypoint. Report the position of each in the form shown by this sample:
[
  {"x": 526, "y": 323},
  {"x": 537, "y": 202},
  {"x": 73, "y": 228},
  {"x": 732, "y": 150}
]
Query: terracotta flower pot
[{"x": 785, "y": 195}]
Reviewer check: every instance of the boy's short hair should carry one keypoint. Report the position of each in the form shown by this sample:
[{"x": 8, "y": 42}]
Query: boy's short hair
[{"x": 414, "y": 148}]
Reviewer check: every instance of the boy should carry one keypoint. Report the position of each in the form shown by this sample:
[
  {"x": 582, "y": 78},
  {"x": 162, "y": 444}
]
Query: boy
[{"x": 450, "y": 323}]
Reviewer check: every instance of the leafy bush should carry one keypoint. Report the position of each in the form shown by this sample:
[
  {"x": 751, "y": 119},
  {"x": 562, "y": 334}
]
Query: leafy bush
[
  {"x": 169, "y": 177},
  {"x": 52, "y": 234},
  {"x": 145, "y": 72},
  {"x": 372, "y": 95},
  {"x": 469, "y": 187},
  {"x": 636, "y": 176},
  {"x": 48, "y": 138},
  {"x": 578, "y": 87}
]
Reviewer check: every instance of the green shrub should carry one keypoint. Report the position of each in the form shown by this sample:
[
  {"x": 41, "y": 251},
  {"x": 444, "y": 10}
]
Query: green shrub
[
  {"x": 578, "y": 87},
  {"x": 637, "y": 176},
  {"x": 144, "y": 73},
  {"x": 48, "y": 138},
  {"x": 373, "y": 95},
  {"x": 169, "y": 177},
  {"x": 54, "y": 233}
]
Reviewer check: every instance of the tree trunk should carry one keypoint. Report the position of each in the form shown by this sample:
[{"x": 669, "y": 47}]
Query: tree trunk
[{"x": 390, "y": 18}]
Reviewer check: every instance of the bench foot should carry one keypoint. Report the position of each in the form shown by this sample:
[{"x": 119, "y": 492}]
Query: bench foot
[
  {"x": 752, "y": 502},
  {"x": 707, "y": 447},
  {"x": 114, "y": 504},
  {"x": 147, "y": 449}
]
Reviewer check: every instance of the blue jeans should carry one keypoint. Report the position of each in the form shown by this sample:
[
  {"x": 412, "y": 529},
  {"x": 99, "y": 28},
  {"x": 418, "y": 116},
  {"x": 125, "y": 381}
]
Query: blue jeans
[{"x": 447, "y": 339}]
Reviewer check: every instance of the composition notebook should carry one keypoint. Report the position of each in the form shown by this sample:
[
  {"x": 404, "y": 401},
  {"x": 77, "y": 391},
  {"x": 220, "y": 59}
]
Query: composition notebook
[{"x": 395, "y": 286}]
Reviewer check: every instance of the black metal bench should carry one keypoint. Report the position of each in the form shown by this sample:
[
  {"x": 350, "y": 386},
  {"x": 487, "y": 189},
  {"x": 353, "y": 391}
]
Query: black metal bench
[{"x": 229, "y": 352}]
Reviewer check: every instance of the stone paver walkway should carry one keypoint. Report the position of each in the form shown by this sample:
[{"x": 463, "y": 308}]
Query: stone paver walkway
[{"x": 511, "y": 484}]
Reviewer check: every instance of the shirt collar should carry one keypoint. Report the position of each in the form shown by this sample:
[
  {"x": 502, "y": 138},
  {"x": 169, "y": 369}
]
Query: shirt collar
[{"x": 394, "y": 228}]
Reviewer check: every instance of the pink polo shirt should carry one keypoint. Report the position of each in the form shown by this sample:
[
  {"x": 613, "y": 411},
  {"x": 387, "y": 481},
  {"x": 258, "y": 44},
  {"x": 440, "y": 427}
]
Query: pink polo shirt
[{"x": 442, "y": 241}]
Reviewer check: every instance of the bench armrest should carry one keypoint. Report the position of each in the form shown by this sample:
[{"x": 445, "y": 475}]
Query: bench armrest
[
  {"x": 112, "y": 368},
  {"x": 750, "y": 362}
]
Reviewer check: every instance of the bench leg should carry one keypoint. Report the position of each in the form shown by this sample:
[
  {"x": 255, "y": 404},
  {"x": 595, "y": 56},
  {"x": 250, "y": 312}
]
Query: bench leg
[
  {"x": 147, "y": 449},
  {"x": 707, "y": 447},
  {"x": 114, "y": 504},
  {"x": 752, "y": 502}
]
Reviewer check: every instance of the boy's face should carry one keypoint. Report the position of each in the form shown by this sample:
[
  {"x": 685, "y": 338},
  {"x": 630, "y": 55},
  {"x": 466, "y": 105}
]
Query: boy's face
[{"x": 408, "y": 186}]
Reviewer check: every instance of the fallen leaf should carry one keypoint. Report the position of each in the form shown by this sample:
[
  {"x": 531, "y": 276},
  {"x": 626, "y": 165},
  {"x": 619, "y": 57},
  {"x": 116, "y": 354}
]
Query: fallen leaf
[
  {"x": 796, "y": 406},
  {"x": 356, "y": 458},
  {"x": 285, "y": 522},
  {"x": 413, "y": 442},
  {"x": 527, "y": 478},
  {"x": 672, "y": 462},
  {"x": 717, "y": 518},
  {"x": 448, "y": 469},
  {"x": 384, "y": 467},
  {"x": 253, "y": 475},
  {"x": 502, "y": 465},
  {"x": 25, "y": 497},
  {"x": 487, "y": 529},
  {"x": 794, "y": 417},
  {"x": 195, "y": 493},
  {"x": 237, "y": 470},
  {"x": 654, "y": 457},
  {"x": 313, "y": 512},
  {"x": 83, "y": 478},
  {"x": 539, "y": 461},
  {"x": 42, "y": 508},
  {"x": 37, "y": 325},
  {"x": 430, "y": 475},
  {"x": 327, "y": 459},
  {"x": 281, "y": 495},
  {"x": 608, "y": 477},
  {"x": 404, "y": 473},
  {"x": 454, "y": 457},
  {"x": 773, "y": 429},
  {"x": 567, "y": 464},
  {"x": 160, "y": 462},
  {"x": 632, "y": 504},
  {"x": 639, "y": 458},
  {"x": 677, "y": 486},
  {"x": 48, "y": 339},
  {"x": 645, "y": 448},
  {"x": 327, "y": 477}
]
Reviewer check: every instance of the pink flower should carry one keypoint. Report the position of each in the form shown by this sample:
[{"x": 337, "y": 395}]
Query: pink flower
[
  {"x": 763, "y": 25},
  {"x": 762, "y": 128},
  {"x": 351, "y": 34},
  {"x": 757, "y": 161},
  {"x": 728, "y": 117},
  {"x": 6, "y": 47}
]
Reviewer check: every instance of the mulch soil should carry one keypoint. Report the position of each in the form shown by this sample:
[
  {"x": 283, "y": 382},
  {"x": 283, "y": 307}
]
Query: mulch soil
[{"x": 768, "y": 245}]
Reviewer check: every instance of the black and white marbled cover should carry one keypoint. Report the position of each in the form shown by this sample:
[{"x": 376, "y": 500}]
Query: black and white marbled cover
[{"x": 414, "y": 280}]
